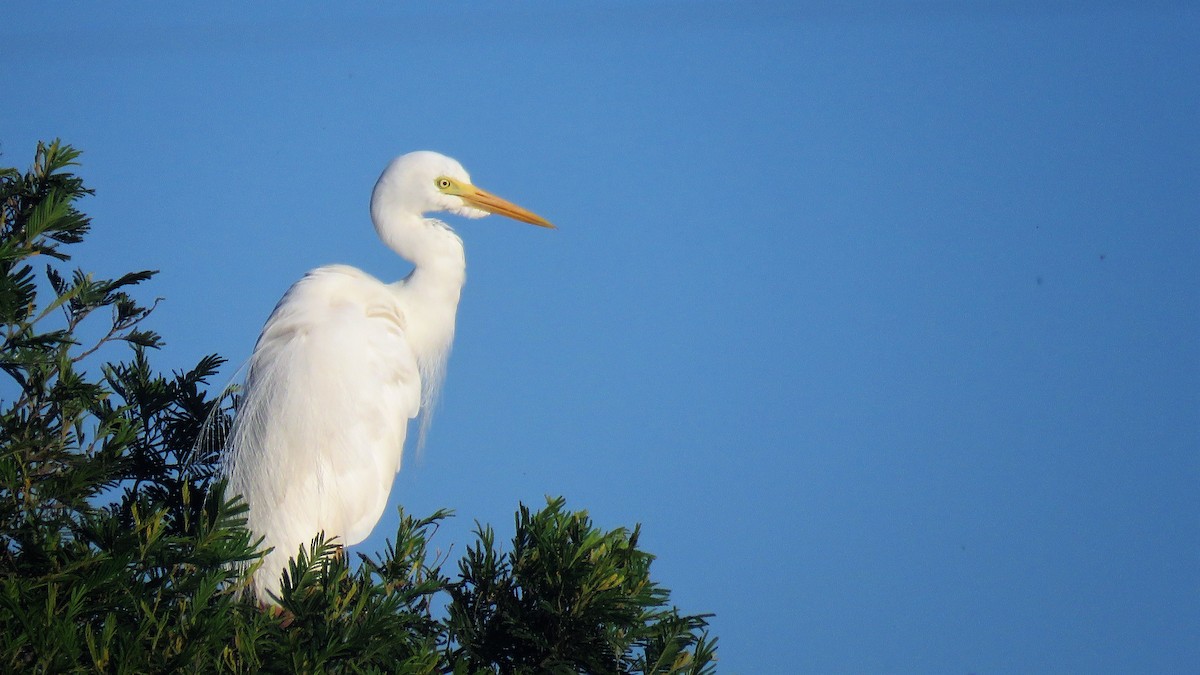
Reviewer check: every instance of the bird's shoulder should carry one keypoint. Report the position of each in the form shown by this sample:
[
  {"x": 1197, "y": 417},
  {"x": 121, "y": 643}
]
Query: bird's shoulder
[
  {"x": 340, "y": 278},
  {"x": 339, "y": 286},
  {"x": 335, "y": 295}
]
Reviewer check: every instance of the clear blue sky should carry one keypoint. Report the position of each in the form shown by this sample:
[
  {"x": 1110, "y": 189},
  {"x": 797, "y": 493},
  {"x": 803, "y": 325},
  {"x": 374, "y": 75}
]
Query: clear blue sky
[{"x": 880, "y": 317}]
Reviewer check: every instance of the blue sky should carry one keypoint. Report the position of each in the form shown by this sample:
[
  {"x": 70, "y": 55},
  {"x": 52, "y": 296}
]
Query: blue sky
[{"x": 880, "y": 317}]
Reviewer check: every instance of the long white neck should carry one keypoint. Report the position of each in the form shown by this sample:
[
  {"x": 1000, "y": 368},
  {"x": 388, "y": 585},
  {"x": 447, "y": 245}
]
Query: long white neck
[{"x": 428, "y": 296}]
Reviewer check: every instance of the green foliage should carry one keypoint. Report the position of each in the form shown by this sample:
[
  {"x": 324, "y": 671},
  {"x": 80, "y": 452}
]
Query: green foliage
[
  {"x": 568, "y": 598},
  {"x": 112, "y": 554},
  {"x": 120, "y": 551}
]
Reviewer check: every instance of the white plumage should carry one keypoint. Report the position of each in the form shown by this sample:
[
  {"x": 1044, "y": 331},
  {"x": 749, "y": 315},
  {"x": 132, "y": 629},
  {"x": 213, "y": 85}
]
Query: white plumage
[{"x": 344, "y": 362}]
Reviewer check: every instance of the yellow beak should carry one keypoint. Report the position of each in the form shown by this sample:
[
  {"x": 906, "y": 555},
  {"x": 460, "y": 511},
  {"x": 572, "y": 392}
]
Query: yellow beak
[{"x": 486, "y": 201}]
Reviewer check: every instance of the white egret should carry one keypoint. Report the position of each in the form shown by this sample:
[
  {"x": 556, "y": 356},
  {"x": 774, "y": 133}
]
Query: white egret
[{"x": 342, "y": 364}]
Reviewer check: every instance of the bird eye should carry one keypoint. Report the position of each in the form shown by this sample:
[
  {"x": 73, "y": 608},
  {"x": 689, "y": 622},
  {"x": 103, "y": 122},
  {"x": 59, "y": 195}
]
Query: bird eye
[{"x": 442, "y": 183}]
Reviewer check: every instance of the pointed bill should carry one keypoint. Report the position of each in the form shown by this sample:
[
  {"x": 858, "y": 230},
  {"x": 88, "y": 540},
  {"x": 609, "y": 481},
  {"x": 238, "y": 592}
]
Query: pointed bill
[{"x": 486, "y": 201}]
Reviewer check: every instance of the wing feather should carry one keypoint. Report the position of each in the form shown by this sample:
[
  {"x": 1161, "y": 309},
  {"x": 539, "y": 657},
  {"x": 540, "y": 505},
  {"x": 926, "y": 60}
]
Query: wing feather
[{"x": 320, "y": 432}]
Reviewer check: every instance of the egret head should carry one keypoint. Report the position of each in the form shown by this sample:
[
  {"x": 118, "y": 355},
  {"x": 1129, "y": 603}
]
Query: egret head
[{"x": 424, "y": 182}]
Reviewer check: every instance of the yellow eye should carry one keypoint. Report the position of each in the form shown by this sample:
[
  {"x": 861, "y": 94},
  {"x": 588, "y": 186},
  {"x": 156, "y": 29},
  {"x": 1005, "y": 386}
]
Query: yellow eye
[{"x": 442, "y": 183}]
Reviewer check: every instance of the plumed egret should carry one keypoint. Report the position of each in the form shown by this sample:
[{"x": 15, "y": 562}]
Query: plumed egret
[{"x": 343, "y": 363}]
